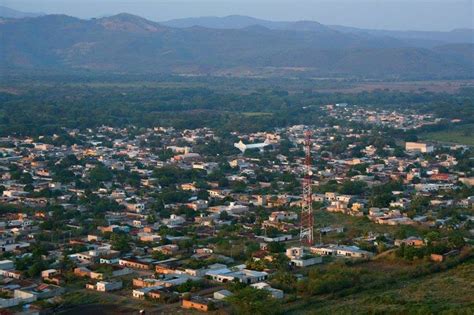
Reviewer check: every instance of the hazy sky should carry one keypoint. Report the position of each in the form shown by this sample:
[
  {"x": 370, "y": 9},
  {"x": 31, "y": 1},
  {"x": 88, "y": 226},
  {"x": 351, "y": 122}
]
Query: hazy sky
[{"x": 378, "y": 14}]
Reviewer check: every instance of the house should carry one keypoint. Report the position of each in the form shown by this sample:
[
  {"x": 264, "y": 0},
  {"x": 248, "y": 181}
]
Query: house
[
  {"x": 93, "y": 238},
  {"x": 19, "y": 297},
  {"x": 174, "y": 221},
  {"x": 135, "y": 263},
  {"x": 278, "y": 216},
  {"x": 237, "y": 273},
  {"x": 280, "y": 238},
  {"x": 41, "y": 291},
  {"x": 300, "y": 258},
  {"x": 169, "y": 249},
  {"x": 410, "y": 241},
  {"x": 145, "y": 283},
  {"x": 275, "y": 293},
  {"x": 11, "y": 274},
  {"x": 442, "y": 257},
  {"x": 329, "y": 229},
  {"x": 48, "y": 273},
  {"x": 155, "y": 293},
  {"x": 93, "y": 256},
  {"x": 198, "y": 303},
  {"x": 105, "y": 286},
  {"x": 418, "y": 147},
  {"x": 95, "y": 271},
  {"x": 243, "y": 147},
  {"x": 222, "y": 294},
  {"x": 143, "y": 292},
  {"x": 433, "y": 187},
  {"x": 338, "y": 206},
  {"x": 232, "y": 208},
  {"x": 401, "y": 203},
  {"x": 7, "y": 264},
  {"x": 135, "y": 207},
  {"x": 341, "y": 251},
  {"x": 187, "y": 157},
  {"x": 148, "y": 237}
]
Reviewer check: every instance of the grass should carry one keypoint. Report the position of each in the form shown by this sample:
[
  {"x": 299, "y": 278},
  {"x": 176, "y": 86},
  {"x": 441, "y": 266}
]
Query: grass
[
  {"x": 356, "y": 226},
  {"x": 451, "y": 291},
  {"x": 461, "y": 135},
  {"x": 256, "y": 114},
  {"x": 83, "y": 297},
  {"x": 448, "y": 292}
]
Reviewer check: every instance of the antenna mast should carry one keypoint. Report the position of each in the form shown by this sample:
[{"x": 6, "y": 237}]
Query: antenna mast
[{"x": 307, "y": 219}]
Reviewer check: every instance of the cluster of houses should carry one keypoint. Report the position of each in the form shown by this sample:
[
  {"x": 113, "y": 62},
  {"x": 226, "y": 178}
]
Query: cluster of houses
[
  {"x": 404, "y": 119},
  {"x": 169, "y": 231}
]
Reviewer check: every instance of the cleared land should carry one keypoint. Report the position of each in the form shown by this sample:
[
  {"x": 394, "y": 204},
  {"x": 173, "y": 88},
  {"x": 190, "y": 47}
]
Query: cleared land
[{"x": 460, "y": 135}]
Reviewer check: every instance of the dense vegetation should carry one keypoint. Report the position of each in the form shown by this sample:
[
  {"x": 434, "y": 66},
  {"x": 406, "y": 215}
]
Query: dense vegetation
[{"x": 46, "y": 109}]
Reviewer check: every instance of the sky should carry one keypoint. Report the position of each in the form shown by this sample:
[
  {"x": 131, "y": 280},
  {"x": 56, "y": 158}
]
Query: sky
[{"x": 439, "y": 15}]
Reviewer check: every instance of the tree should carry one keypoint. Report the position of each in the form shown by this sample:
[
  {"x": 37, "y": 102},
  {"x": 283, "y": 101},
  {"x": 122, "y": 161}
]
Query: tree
[
  {"x": 100, "y": 173},
  {"x": 250, "y": 301},
  {"x": 456, "y": 240},
  {"x": 36, "y": 268},
  {"x": 276, "y": 247},
  {"x": 224, "y": 216},
  {"x": 285, "y": 281},
  {"x": 238, "y": 187},
  {"x": 353, "y": 187},
  {"x": 26, "y": 179},
  {"x": 29, "y": 188},
  {"x": 120, "y": 242}
]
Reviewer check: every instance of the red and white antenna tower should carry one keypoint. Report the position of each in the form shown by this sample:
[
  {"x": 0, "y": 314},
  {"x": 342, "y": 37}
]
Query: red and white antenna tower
[{"x": 307, "y": 219}]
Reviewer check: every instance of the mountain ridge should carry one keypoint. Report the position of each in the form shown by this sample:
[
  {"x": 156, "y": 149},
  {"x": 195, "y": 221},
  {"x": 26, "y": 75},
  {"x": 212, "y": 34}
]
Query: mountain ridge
[
  {"x": 6, "y": 12},
  {"x": 239, "y": 21},
  {"x": 128, "y": 43}
]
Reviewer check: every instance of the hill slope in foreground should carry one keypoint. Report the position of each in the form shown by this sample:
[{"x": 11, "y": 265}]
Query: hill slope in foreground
[{"x": 449, "y": 292}]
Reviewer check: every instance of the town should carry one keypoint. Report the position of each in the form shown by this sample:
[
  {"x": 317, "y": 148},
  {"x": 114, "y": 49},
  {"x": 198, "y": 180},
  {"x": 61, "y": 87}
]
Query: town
[{"x": 162, "y": 220}]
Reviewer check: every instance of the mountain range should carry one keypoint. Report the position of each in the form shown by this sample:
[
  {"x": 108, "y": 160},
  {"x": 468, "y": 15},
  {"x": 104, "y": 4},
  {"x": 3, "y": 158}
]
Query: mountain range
[
  {"x": 14, "y": 14},
  {"x": 239, "y": 21},
  {"x": 234, "y": 45}
]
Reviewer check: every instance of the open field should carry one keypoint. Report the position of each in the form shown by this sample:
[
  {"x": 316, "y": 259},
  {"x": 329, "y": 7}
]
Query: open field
[
  {"x": 405, "y": 86},
  {"x": 235, "y": 84},
  {"x": 355, "y": 226},
  {"x": 256, "y": 114},
  {"x": 464, "y": 135}
]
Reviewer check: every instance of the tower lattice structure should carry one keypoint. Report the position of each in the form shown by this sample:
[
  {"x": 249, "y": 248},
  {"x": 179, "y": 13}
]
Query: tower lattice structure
[{"x": 307, "y": 218}]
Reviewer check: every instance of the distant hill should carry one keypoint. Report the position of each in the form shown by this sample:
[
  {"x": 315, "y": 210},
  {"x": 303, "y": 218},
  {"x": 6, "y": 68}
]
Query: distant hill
[
  {"x": 454, "y": 36},
  {"x": 128, "y": 43},
  {"x": 14, "y": 14},
  {"x": 239, "y": 22}
]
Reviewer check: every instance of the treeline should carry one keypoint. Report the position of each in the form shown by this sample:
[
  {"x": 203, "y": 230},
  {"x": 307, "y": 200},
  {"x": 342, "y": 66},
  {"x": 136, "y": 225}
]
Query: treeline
[{"x": 47, "y": 109}]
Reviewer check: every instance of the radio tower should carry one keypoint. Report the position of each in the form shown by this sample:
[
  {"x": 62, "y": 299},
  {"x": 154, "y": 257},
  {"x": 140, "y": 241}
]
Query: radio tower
[{"x": 307, "y": 219}]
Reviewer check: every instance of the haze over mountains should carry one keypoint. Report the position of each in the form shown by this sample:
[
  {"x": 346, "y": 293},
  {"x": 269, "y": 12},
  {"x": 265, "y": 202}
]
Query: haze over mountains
[
  {"x": 235, "y": 45},
  {"x": 238, "y": 22},
  {"x": 14, "y": 14}
]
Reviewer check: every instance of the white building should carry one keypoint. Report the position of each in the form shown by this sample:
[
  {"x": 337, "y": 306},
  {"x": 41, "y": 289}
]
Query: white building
[
  {"x": 243, "y": 147},
  {"x": 341, "y": 251},
  {"x": 275, "y": 293},
  {"x": 238, "y": 273},
  {"x": 418, "y": 147},
  {"x": 105, "y": 286},
  {"x": 300, "y": 258},
  {"x": 7, "y": 265}
]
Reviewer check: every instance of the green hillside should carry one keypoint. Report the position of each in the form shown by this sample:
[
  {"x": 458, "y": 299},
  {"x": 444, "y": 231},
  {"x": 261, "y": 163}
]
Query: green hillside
[{"x": 448, "y": 292}]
